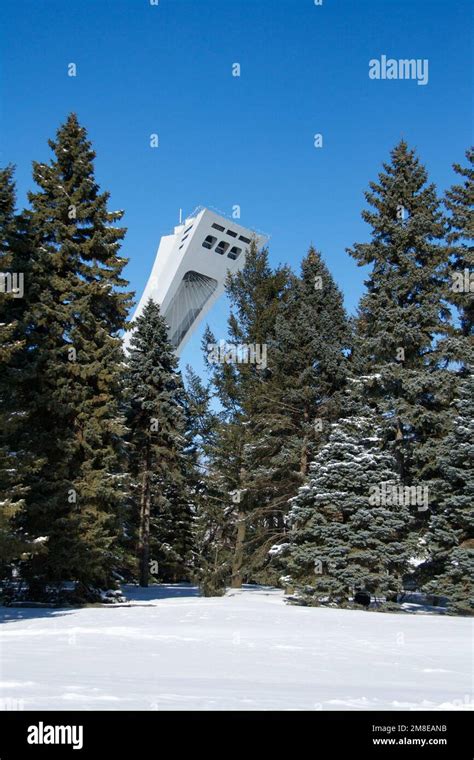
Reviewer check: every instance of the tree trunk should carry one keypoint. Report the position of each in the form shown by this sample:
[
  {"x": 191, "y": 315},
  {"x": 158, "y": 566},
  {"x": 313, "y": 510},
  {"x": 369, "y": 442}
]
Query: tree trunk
[
  {"x": 144, "y": 526},
  {"x": 236, "y": 581},
  {"x": 304, "y": 450}
]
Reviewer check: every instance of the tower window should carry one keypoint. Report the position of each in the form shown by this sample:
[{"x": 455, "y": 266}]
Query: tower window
[
  {"x": 232, "y": 233},
  {"x": 218, "y": 227},
  {"x": 244, "y": 239},
  {"x": 222, "y": 247},
  {"x": 209, "y": 242},
  {"x": 234, "y": 252}
]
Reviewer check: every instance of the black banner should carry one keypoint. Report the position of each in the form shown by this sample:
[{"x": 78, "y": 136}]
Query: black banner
[{"x": 375, "y": 734}]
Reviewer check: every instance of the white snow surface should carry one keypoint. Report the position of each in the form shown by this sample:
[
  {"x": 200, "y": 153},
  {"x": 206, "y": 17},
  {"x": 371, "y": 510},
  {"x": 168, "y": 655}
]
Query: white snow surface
[{"x": 168, "y": 648}]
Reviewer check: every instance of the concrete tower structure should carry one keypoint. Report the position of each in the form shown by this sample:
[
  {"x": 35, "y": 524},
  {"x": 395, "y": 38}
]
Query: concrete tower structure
[{"x": 190, "y": 269}]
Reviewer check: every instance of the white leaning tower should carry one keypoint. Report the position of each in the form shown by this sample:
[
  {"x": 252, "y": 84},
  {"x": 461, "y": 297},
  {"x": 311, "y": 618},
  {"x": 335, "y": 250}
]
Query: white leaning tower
[{"x": 190, "y": 269}]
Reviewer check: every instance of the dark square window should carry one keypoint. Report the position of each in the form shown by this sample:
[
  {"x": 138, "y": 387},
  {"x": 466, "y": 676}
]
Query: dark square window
[
  {"x": 209, "y": 241},
  {"x": 222, "y": 247},
  {"x": 234, "y": 252}
]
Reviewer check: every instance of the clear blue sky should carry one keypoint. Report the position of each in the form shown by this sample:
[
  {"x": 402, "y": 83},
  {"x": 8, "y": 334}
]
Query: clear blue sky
[{"x": 224, "y": 140}]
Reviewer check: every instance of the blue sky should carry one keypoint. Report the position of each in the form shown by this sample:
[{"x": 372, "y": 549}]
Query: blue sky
[{"x": 224, "y": 140}]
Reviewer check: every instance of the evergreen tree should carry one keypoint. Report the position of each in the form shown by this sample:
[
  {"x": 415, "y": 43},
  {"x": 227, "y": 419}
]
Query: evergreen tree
[
  {"x": 239, "y": 380},
  {"x": 211, "y": 526},
  {"x": 404, "y": 316},
  {"x": 13, "y": 456},
  {"x": 299, "y": 399},
  {"x": 222, "y": 520},
  {"x": 72, "y": 366},
  {"x": 158, "y": 465},
  {"x": 348, "y": 531},
  {"x": 450, "y": 538},
  {"x": 460, "y": 202}
]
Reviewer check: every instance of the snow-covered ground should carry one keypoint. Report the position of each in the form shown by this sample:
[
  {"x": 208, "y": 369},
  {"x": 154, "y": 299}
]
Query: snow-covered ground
[{"x": 171, "y": 649}]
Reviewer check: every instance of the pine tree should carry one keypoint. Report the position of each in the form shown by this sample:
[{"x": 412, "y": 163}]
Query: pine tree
[
  {"x": 223, "y": 519},
  {"x": 10, "y": 488},
  {"x": 348, "y": 531},
  {"x": 211, "y": 527},
  {"x": 255, "y": 293},
  {"x": 459, "y": 201},
  {"x": 450, "y": 538},
  {"x": 158, "y": 465},
  {"x": 13, "y": 456},
  {"x": 404, "y": 315},
  {"x": 71, "y": 385},
  {"x": 306, "y": 362}
]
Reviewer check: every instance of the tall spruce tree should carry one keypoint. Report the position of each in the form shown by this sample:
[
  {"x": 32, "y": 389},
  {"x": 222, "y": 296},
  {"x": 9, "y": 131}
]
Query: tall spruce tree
[
  {"x": 450, "y": 538},
  {"x": 348, "y": 532},
  {"x": 222, "y": 521},
  {"x": 459, "y": 201},
  {"x": 158, "y": 464},
  {"x": 255, "y": 293},
  {"x": 448, "y": 570},
  {"x": 306, "y": 364},
  {"x": 76, "y": 307},
  {"x": 404, "y": 316},
  {"x": 211, "y": 527},
  {"x": 14, "y": 457}
]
